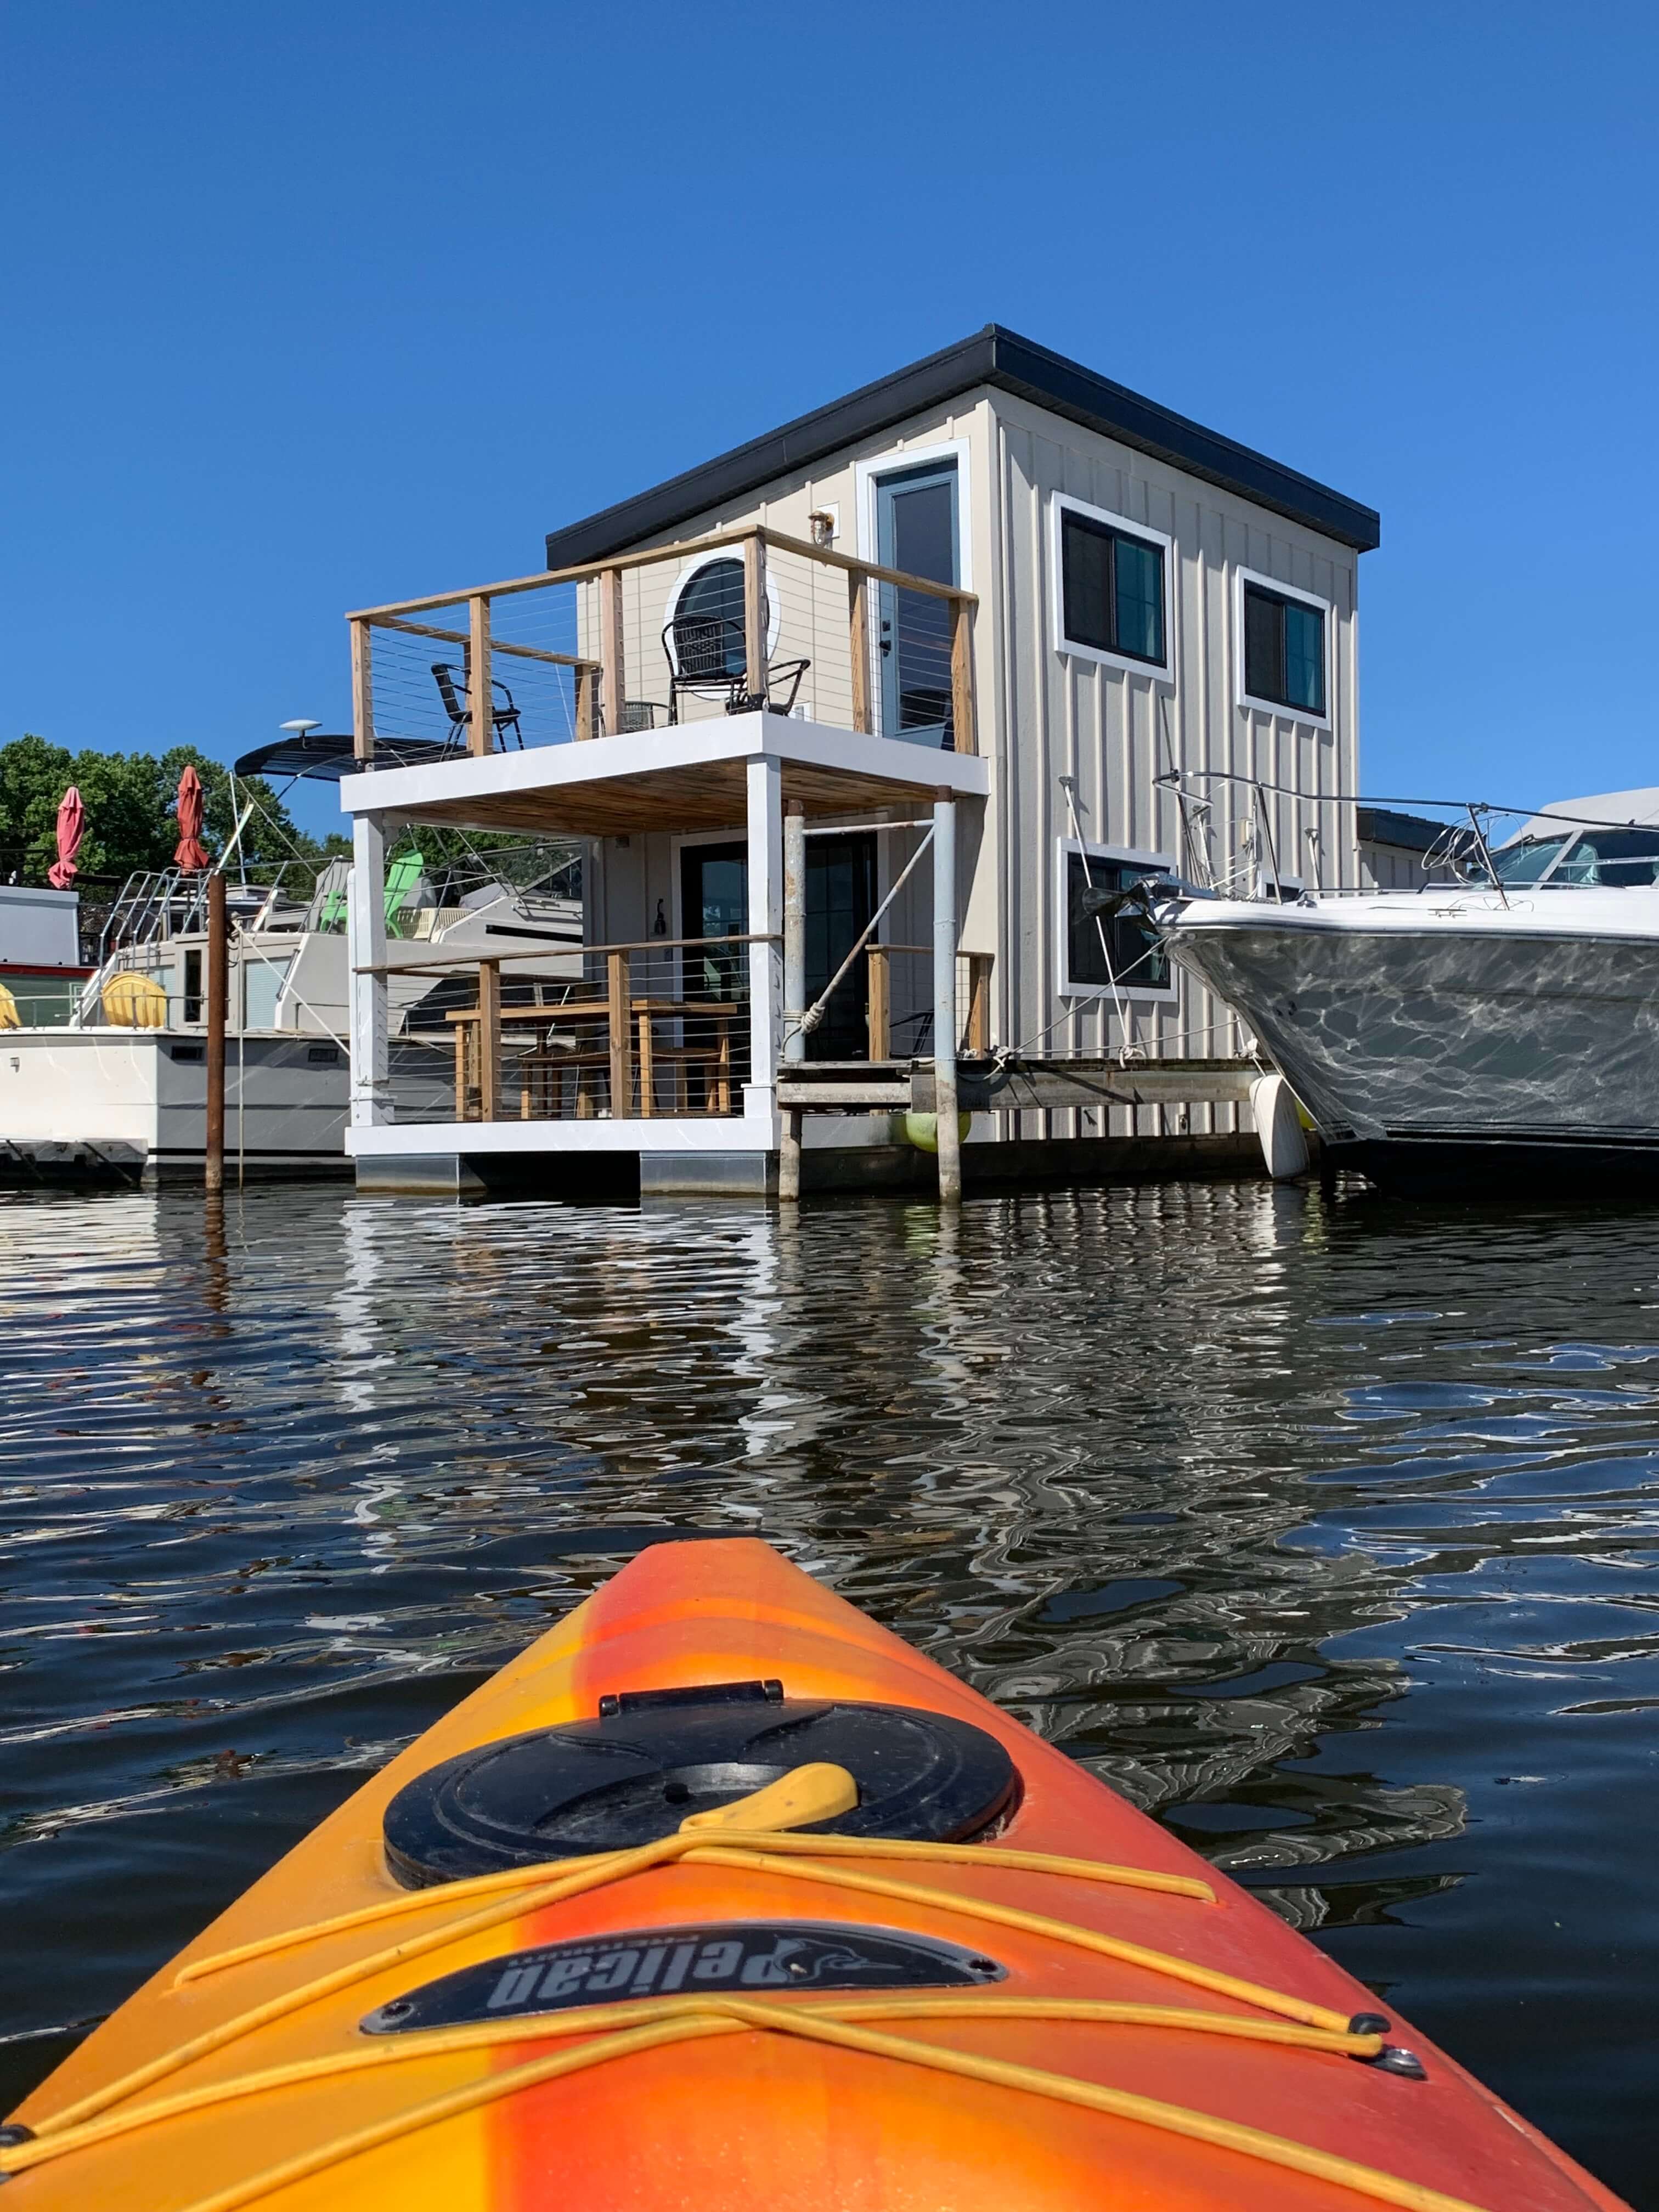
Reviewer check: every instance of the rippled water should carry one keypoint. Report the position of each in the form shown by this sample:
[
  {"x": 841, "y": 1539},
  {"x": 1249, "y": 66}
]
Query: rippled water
[{"x": 1326, "y": 1533}]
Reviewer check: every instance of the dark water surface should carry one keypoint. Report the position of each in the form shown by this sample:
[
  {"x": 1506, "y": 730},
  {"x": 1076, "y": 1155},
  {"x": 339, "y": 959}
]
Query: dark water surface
[{"x": 1327, "y": 1533}]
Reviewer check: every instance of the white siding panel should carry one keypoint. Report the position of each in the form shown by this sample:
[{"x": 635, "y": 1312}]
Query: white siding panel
[
  {"x": 1043, "y": 713},
  {"x": 1063, "y": 714}
]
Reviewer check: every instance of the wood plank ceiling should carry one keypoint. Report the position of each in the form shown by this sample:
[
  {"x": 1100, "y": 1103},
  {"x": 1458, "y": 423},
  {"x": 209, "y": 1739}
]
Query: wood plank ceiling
[{"x": 711, "y": 797}]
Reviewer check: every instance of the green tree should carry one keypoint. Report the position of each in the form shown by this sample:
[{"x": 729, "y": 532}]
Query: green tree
[
  {"x": 129, "y": 799},
  {"x": 33, "y": 776}
]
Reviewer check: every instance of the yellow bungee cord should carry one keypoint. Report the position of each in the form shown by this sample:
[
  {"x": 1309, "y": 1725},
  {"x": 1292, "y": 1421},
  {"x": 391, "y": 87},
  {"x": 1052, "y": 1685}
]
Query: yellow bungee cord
[{"x": 746, "y": 1836}]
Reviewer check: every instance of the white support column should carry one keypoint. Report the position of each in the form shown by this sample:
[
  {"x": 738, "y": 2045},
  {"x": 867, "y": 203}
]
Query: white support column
[
  {"x": 765, "y": 791},
  {"x": 366, "y": 948},
  {"x": 948, "y": 1135}
]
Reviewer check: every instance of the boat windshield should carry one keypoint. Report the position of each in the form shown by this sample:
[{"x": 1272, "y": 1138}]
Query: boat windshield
[
  {"x": 1612, "y": 856},
  {"x": 1525, "y": 861}
]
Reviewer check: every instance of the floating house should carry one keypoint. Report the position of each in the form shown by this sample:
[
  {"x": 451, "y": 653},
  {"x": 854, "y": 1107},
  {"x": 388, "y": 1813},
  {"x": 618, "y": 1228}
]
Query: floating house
[{"x": 963, "y": 655}]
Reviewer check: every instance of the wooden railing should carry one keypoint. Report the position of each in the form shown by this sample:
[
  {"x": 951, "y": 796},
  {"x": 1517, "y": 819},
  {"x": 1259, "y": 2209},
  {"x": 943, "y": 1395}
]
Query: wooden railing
[
  {"x": 598, "y": 701},
  {"x": 598, "y": 1041},
  {"x": 975, "y": 1039},
  {"x": 607, "y": 1039}
]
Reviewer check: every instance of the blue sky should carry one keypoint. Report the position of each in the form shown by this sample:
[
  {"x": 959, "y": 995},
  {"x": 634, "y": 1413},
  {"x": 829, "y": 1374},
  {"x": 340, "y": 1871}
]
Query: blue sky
[{"x": 310, "y": 307}]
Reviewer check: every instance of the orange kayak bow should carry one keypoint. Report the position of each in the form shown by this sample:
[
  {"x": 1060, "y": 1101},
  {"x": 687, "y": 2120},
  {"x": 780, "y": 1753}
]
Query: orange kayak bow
[{"x": 722, "y": 1896}]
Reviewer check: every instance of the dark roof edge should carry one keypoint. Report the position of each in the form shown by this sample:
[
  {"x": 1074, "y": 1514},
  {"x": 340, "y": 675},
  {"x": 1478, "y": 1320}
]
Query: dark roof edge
[
  {"x": 1011, "y": 363},
  {"x": 1388, "y": 825}
]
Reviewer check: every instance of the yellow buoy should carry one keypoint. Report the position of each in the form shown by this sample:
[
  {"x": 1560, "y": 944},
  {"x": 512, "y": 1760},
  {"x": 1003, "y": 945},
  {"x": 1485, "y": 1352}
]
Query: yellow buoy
[
  {"x": 135, "y": 1002},
  {"x": 922, "y": 1129},
  {"x": 10, "y": 1017}
]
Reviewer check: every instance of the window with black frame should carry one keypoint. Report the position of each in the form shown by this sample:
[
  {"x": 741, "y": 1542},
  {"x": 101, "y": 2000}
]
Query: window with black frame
[
  {"x": 1284, "y": 651},
  {"x": 1610, "y": 856},
  {"x": 1111, "y": 590},
  {"x": 1104, "y": 947}
]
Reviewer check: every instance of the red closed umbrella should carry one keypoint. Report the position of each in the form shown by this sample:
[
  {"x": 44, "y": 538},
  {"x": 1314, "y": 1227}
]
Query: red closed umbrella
[
  {"x": 193, "y": 800},
  {"x": 72, "y": 829}
]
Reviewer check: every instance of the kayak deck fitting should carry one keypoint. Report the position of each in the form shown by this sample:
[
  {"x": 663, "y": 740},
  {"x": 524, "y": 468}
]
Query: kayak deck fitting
[{"x": 724, "y": 1893}]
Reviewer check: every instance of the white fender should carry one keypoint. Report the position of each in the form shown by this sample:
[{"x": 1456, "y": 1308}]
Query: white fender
[{"x": 1284, "y": 1146}]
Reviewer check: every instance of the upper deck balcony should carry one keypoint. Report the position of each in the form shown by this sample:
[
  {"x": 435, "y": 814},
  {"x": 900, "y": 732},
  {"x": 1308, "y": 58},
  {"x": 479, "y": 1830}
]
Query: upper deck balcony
[
  {"x": 484, "y": 704},
  {"x": 722, "y": 685}
]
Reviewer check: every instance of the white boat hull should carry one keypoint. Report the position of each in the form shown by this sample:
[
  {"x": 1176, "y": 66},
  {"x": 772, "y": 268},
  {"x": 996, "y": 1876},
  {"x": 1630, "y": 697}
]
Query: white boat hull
[
  {"x": 1435, "y": 1046},
  {"x": 127, "y": 1106}
]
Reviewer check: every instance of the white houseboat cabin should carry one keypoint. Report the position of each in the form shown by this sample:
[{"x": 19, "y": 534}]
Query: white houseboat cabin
[{"x": 994, "y": 612}]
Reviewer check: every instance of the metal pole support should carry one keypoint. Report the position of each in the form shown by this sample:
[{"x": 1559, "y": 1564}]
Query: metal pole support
[
  {"x": 789, "y": 1157},
  {"x": 947, "y": 1135},
  {"x": 794, "y": 990},
  {"x": 795, "y": 932}
]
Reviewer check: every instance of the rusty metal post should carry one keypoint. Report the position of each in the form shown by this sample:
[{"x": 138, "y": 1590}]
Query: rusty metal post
[{"x": 218, "y": 963}]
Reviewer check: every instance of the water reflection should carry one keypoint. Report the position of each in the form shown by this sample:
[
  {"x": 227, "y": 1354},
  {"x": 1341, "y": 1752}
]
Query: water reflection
[{"x": 1323, "y": 1533}]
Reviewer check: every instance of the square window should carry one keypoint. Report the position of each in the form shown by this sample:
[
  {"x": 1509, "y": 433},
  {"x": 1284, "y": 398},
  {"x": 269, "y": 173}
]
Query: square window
[
  {"x": 1111, "y": 590},
  {"x": 1284, "y": 651},
  {"x": 1102, "y": 947}
]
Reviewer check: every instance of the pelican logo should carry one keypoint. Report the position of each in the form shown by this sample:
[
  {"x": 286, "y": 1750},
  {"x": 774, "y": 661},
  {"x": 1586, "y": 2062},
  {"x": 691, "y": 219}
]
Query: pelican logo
[{"x": 737, "y": 1957}]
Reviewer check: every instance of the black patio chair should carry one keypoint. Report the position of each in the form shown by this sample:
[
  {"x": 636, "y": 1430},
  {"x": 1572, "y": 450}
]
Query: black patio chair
[
  {"x": 453, "y": 691},
  {"x": 708, "y": 654},
  {"x": 638, "y": 714}
]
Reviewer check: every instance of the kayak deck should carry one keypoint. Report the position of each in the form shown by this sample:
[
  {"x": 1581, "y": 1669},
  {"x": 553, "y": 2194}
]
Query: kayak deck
[{"x": 1126, "y": 2020}]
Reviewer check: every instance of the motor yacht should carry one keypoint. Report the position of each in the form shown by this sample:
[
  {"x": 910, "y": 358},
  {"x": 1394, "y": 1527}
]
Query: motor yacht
[
  {"x": 1501, "y": 1030},
  {"x": 111, "y": 1087}
]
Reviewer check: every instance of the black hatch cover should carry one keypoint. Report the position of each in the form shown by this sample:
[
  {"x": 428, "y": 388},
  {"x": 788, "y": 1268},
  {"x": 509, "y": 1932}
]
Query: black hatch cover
[
  {"x": 633, "y": 1775},
  {"x": 751, "y": 1957}
]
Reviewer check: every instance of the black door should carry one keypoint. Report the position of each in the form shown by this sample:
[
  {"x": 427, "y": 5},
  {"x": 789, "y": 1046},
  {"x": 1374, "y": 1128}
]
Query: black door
[
  {"x": 714, "y": 907},
  {"x": 841, "y": 897}
]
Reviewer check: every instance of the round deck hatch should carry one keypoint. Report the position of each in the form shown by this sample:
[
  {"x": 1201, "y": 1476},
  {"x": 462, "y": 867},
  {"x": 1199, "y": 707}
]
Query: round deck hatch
[{"x": 652, "y": 1758}]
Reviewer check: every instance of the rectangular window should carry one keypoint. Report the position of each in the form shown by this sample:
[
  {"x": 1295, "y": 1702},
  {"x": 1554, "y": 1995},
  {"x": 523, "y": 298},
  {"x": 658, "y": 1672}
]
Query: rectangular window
[
  {"x": 262, "y": 987},
  {"x": 1111, "y": 590},
  {"x": 1284, "y": 651},
  {"x": 1104, "y": 946}
]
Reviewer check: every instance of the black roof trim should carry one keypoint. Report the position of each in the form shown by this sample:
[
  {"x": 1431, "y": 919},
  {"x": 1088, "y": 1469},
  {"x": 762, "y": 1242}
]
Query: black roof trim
[
  {"x": 1011, "y": 363},
  {"x": 1385, "y": 825}
]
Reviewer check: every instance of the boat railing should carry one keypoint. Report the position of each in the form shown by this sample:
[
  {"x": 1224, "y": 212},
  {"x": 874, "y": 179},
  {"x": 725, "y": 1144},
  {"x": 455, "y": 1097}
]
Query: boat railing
[{"x": 156, "y": 905}]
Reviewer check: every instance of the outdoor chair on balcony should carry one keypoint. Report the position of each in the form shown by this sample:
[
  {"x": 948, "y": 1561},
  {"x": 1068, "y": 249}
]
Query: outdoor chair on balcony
[
  {"x": 638, "y": 714},
  {"x": 452, "y": 689},
  {"x": 708, "y": 656}
]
